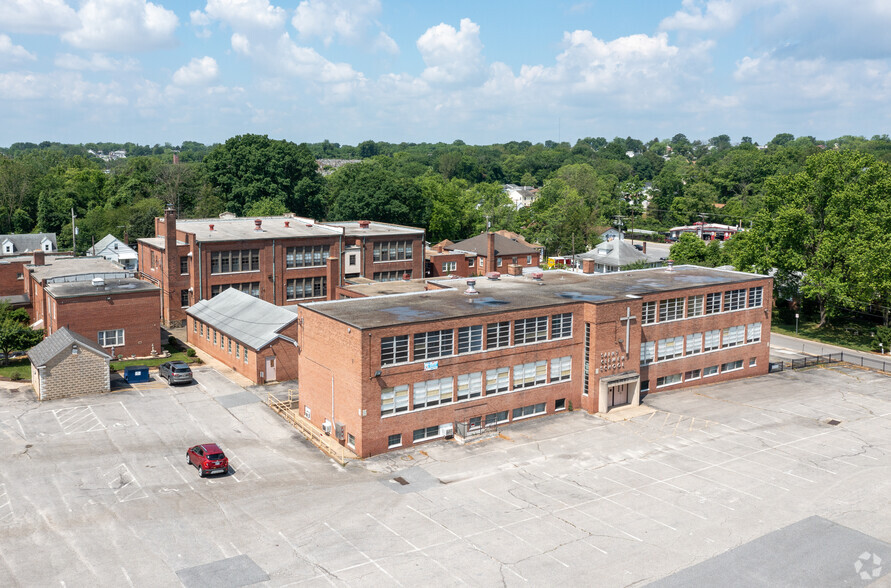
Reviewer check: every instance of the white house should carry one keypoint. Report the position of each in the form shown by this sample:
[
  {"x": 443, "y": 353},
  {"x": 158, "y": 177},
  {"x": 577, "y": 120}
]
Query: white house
[
  {"x": 27, "y": 243},
  {"x": 115, "y": 250}
]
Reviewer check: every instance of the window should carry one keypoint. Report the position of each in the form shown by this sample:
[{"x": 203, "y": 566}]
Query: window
[
  {"x": 394, "y": 350},
  {"x": 671, "y": 309},
  {"x": 734, "y": 299},
  {"x": 470, "y": 339},
  {"x": 351, "y": 440},
  {"x": 432, "y": 393},
  {"x": 753, "y": 361},
  {"x": 559, "y": 404},
  {"x": 308, "y": 256},
  {"x": 694, "y": 343},
  {"x": 530, "y": 330},
  {"x": 469, "y": 262},
  {"x": 530, "y": 374},
  {"x": 433, "y": 344},
  {"x": 214, "y": 338},
  {"x": 499, "y": 262},
  {"x": 496, "y": 418},
  {"x": 394, "y": 441},
  {"x": 733, "y": 336},
  {"x": 394, "y": 399},
  {"x": 229, "y": 346},
  {"x": 475, "y": 423},
  {"x": 307, "y": 413},
  {"x": 670, "y": 348},
  {"x": 528, "y": 260},
  {"x": 252, "y": 288},
  {"x": 392, "y": 250},
  {"x": 692, "y": 375},
  {"x": 470, "y": 386},
  {"x": 221, "y": 341},
  {"x": 245, "y": 355},
  {"x": 647, "y": 352},
  {"x": 587, "y": 365},
  {"x": 183, "y": 298},
  {"x": 19, "y": 276},
  {"x": 208, "y": 334},
  {"x": 732, "y": 366},
  {"x": 184, "y": 265},
  {"x": 227, "y": 262},
  {"x": 561, "y": 325},
  {"x": 753, "y": 333},
  {"x": 111, "y": 338},
  {"x": 561, "y": 368},
  {"x": 713, "y": 303},
  {"x": 497, "y": 335},
  {"x": 194, "y": 326},
  {"x": 352, "y": 259},
  {"x": 528, "y": 411},
  {"x": 449, "y": 266},
  {"x": 393, "y": 276},
  {"x": 497, "y": 380},
  {"x": 648, "y": 313},
  {"x": 645, "y": 386},
  {"x": 427, "y": 433},
  {"x": 237, "y": 350},
  {"x": 709, "y": 371},
  {"x": 694, "y": 306},
  {"x": 712, "y": 340},
  {"x": 668, "y": 380},
  {"x": 300, "y": 288},
  {"x": 201, "y": 330},
  {"x": 755, "y": 296}
]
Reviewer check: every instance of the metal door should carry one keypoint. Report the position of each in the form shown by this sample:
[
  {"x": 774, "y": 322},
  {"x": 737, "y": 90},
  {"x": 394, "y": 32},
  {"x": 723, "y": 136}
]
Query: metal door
[
  {"x": 270, "y": 369},
  {"x": 618, "y": 394}
]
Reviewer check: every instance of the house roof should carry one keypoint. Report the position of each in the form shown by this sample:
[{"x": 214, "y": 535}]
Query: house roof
[
  {"x": 254, "y": 322},
  {"x": 503, "y": 246},
  {"x": 28, "y": 242},
  {"x": 61, "y": 341},
  {"x": 615, "y": 253},
  {"x": 518, "y": 238},
  {"x": 123, "y": 251}
]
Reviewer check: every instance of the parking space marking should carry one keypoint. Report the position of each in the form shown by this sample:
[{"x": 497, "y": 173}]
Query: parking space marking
[
  {"x": 6, "y": 513},
  {"x": 243, "y": 472},
  {"x": 124, "y": 484},
  {"x": 136, "y": 424},
  {"x": 78, "y": 419},
  {"x": 414, "y": 548},
  {"x": 786, "y": 457},
  {"x": 658, "y": 481},
  {"x": 726, "y": 469},
  {"x": 178, "y": 473},
  {"x": 362, "y": 553}
]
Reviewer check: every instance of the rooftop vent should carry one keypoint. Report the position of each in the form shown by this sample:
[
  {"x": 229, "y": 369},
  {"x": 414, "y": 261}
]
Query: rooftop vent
[
  {"x": 98, "y": 282},
  {"x": 258, "y": 224},
  {"x": 536, "y": 275},
  {"x": 287, "y": 224},
  {"x": 211, "y": 227},
  {"x": 471, "y": 291},
  {"x": 493, "y": 275},
  {"x": 670, "y": 264},
  {"x": 364, "y": 224}
]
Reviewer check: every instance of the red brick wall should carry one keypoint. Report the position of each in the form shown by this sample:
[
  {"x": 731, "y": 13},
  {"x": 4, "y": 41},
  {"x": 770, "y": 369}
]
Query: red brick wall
[
  {"x": 138, "y": 313},
  {"x": 10, "y": 283},
  {"x": 436, "y": 261},
  {"x": 415, "y": 265}
]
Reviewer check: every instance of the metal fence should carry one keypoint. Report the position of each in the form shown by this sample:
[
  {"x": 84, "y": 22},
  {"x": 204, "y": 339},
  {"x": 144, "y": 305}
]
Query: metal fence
[{"x": 881, "y": 365}]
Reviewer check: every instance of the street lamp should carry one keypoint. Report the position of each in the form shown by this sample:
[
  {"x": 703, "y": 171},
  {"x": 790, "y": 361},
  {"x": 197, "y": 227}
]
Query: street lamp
[{"x": 796, "y": 323}]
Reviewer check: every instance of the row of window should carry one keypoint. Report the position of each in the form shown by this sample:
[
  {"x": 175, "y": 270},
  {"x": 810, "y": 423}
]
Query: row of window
[
  {"x": 110, "y": 338},
  {"x": 225, "y": 342},
  {"x": 252, "y": 288},
  {"x": 242, "y": 260},
  {"x": 712, "y": 370},
  {"x": 307, "y": 256},
  {"x": 300, "y": 288},
  {"x": 393, "y": 276},
  {"x": 435, "y": 344},
  {"x": 395, "y": 399},
  {"x": 392, "y": 251},
  {"x": 498, "y": 263},
  {"x": 672, "y": 309},
  {"x": 490, "y": 420},
  {"x": 695, "y": 343}
]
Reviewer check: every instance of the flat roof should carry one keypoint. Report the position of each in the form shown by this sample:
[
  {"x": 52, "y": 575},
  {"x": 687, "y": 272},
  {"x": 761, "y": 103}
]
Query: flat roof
[
  {"x": 352, "y": 229},
  {"x": 110, "y": 287},
  {"x": 556, "y": 288},
  {"x": 244, "y": 229},
  {"x": 158, "y": 242},
  {"x": 58, "y": 267},
  {"x": 387, "y": 288}
]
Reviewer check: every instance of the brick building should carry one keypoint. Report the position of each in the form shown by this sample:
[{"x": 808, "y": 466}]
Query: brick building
[
  {"x": 255, "y": 338},
  {"x": 67, "y": 364},
  {"x": 283, "y": 260},
  {"x": 97, "y": 298},
  {"x": 392, "y": 371},
  {"x": 479, "y": 255}
]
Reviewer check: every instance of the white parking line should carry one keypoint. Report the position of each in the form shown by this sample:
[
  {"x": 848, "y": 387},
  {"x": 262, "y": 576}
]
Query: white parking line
[
  {"x": 6, "y": 513},
  {"x": 507, "y": 502},
  {"x": 129, "y": 415},
  {"x": 362, "y": 553},
  {"x": 128, "y": 487},
  {"x": 178, "y": 473}
]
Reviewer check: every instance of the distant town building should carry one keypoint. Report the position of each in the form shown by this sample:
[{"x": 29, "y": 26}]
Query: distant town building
[
  {"x": 329, "y": 166},
  {"x": 115, "y": 250},
  {"x": 521, "y": 195},
  {"x": 706, "y": 231},
  {"x": 27, "y": 243}
]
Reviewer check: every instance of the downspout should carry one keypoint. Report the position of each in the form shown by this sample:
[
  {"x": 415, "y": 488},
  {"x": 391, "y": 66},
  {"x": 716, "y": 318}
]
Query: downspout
[
  {"x": 342, "y": 261},
  {"x": 200, "y": 275},
  {"x": 273, "y": 271}
]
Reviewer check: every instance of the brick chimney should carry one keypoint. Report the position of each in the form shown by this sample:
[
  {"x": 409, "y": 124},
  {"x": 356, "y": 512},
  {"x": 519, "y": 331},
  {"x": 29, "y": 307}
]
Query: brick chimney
[
  {"x": 490, "y": 252},
  {"x": 588, "y": 266},
  {"x": 170, "y": 301},
  {"x": 644, "y": 247},
  {"x": 333, "y": 276}
]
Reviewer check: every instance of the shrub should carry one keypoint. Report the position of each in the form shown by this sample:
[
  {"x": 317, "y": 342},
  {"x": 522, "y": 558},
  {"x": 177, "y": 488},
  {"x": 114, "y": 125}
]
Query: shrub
[
  {"x": 190, "y": 352},
  {"x": 883, "y": 338},
  {"x": 15, "y": 376}
]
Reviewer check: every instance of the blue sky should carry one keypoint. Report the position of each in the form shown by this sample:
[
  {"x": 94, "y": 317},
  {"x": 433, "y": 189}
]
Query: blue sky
[{"x": 482, "y": 71}]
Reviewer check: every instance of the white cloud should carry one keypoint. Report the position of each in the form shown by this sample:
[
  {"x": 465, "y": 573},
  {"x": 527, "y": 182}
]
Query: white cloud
[
  {"x": 241, "y": 14},
  {"x": 96, "y": 62},
  {"x": 327, "y": 19},
  {"x": 12, "y": 53},
  {"x": 123, "y": 25},
  {"x": 241, "y": 44},
  {"x": 37, "y": 16},
  {"x": 717, "y": 14},
  {"x": 451, "y": 55},
  {"x": 384, "y": 43},
  {"x": 61, "y": 88},
  {"x": 198, "y": 72}
]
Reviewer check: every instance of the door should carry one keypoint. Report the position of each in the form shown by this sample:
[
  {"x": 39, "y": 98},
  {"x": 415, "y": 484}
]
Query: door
[
  {"x": 270, "y": 369},
  {"x": 618, "y": 394}
]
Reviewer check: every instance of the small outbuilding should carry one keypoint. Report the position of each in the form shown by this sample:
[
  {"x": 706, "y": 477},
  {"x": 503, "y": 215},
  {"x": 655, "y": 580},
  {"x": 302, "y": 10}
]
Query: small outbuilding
[{"x": 68, "y": 364}]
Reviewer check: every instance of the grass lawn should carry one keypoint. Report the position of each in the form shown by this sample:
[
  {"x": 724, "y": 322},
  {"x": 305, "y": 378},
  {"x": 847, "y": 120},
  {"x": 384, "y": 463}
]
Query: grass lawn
[
  {"x": 22, "y": 367},
  {"x": 852, "y": 335}
]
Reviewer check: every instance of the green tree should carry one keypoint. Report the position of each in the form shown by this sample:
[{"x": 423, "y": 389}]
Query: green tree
[
  {"x": 266, "y": 207},
  {"x": 15, "y": 332},
  {"x": 689, "y": 249},
  {"x": 372, "y": 191}
]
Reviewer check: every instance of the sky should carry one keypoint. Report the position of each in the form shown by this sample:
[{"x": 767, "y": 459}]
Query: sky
[{"x": 482, "y": 71}]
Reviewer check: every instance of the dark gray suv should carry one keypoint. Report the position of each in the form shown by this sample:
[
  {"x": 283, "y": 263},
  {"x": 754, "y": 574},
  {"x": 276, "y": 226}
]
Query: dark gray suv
[{"x": 176, "y": 372}]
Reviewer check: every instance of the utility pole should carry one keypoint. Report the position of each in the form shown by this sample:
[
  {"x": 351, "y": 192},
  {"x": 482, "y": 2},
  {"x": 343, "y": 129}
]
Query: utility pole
[{"x": 73, "y": 234}]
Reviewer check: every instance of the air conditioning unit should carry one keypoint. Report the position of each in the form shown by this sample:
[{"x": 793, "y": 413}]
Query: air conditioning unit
[
  {"x": 339, "y": 430},
  {"x": 326, "y": 427}
]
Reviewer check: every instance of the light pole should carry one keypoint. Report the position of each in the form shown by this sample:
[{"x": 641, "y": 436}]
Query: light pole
[{"x": 796, "y": 323}]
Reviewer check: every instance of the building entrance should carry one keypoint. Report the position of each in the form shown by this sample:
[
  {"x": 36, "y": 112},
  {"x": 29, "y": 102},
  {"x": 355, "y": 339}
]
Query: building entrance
[{"x": 619, "y": 394}]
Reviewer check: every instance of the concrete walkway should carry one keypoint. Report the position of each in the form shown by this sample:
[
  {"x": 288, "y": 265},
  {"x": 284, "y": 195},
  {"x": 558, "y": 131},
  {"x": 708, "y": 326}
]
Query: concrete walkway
[{"x": 810, "y": 347}]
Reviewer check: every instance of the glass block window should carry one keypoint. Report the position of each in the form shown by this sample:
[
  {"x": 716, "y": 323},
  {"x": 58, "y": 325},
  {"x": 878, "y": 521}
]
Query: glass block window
[
  {"x": 670, "y": 348},
  {"x": 470, "y": 386},
  {"x": 713, "y": 303},
  {"x": 561, "y": 368},
  {"x": 712, "y": 340},
  {"x": 648, "y": 313},
  {"x": 498, "y": 335},
  {"x": 753, "y": 333},
  {"x": 671, "y": 309},
  {"x": 647, "y": 352},
  {"x": 433, "y": 344},
  {"x": 734, "y": 299},
  {"x": 530, "y": 330},
  {"x": 394, "y": 350},
  {"x": 497, "y": 380},
  {"x": 694, "y": 305},
  {"x": 530, "y": 374},
  {"x": 733, "y": 336},
  {"x": 394, "y": 400},
  {"x": 694, "y": 343},
  {"x": 432, "y": 393},
  {"x": 470, "y": 339},
  {"x": 755, "y": 296}
]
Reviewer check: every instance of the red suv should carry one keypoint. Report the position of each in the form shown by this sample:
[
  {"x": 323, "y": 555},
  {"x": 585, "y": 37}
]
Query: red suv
[{"x": 208, "y": 458}]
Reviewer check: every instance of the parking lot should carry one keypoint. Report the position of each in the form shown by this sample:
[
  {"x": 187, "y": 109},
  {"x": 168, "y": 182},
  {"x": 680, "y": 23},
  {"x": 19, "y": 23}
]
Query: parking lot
[{"x": 743, "y": 479}]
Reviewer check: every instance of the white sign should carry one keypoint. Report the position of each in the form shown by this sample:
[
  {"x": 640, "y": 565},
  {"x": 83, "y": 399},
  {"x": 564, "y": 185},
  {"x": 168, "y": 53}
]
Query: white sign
[{"x": 430, "y": 365}]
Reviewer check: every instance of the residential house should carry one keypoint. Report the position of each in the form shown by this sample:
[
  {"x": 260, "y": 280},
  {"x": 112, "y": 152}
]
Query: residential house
[{"x": 115, "y": 250}]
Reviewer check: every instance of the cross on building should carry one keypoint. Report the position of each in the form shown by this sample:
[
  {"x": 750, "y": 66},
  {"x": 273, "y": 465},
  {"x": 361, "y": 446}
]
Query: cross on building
[{"x": 627, "y": 320}]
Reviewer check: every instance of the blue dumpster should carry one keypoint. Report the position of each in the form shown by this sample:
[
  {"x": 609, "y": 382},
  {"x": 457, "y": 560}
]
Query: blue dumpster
[{"x": 136, "y": 373}]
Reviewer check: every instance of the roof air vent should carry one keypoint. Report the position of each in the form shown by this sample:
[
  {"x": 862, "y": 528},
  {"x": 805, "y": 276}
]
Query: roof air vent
[
  {"x": 257, "y": 224},
  {"x": 211, "y": 227},
  {"x": 287, "y": 224},
  {"x": 670, "y": 264},
  {"x": 536, "y": 275},
  {"x": 471, "y": 291},
  {"x": 364, "y": 224},
  {"x": 493, "y": 275}
]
